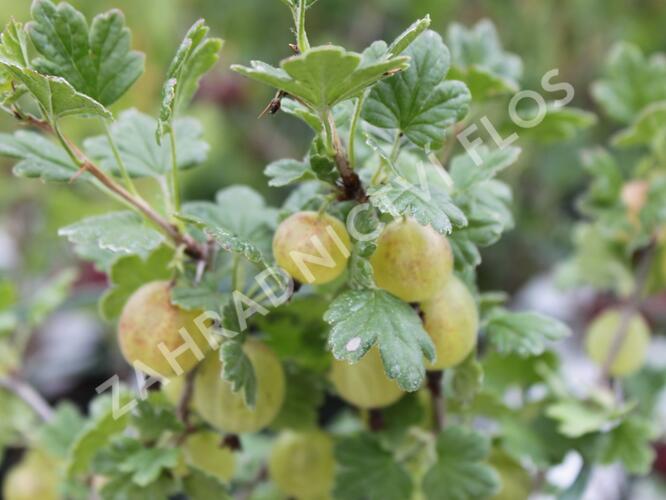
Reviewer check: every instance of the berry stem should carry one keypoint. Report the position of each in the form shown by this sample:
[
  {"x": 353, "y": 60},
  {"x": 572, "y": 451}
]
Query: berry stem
[
  {"x": 119, "y": 160},
  {"x": 175, "y": 183},
  {"x": 358, "y": 107},
  {"x": 375, "y": 420},
  {"x": 183, "y": 409}
]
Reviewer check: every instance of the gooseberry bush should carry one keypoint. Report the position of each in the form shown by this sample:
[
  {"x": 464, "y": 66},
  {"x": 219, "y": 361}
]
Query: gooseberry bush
[{"x": 246, "y": 324}]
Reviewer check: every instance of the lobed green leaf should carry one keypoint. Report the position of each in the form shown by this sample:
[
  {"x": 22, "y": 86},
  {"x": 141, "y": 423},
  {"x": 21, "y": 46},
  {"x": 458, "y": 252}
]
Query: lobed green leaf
[
  {"x": 237, "y": 369},
  {"x": 97, "y": 62},
  {"x": 417, "y": 102},
  {"x": 361, "y": 318},
  {"x": 323, "y": 76},
  {"x": 461, "y": 471},
  {"x": 200, "y": 485}
]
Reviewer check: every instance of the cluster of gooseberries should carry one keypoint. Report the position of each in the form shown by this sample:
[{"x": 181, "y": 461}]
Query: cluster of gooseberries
[{"x": 411, "y": 261}]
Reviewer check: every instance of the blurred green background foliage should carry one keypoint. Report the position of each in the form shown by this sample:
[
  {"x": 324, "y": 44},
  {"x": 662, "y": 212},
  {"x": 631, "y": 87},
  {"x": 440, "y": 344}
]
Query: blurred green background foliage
[{"x": 573, "y": 36}]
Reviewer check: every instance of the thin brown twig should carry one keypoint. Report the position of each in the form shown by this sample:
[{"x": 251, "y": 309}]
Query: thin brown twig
[
  {"x": 31, "y": 121},
  {"x": 29, "y": 395},
  {"x": 183, "y": 409},
  {"x": 192, "y": 248},
  {"x": 629, "y": 309}
]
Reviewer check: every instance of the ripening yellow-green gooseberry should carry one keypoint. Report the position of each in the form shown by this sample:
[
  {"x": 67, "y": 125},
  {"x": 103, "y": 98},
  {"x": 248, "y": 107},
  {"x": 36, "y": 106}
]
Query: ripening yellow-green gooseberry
[
  {"x": 34, "y": 477},
  {"x": 452, "y": 321},
  {"x": 600, "y": 338},
  {"x": 312, "y": 247},
  {"x": 221, "y": 407},
  {"x": 411, "y": 261},
  {"x": 515, "y": 481},
  {"x": 204, "y": 450},
  {"x": 149, "y": 320},
  {"x": 301, "y": 464},
  {"x": 365, "y": 383}
]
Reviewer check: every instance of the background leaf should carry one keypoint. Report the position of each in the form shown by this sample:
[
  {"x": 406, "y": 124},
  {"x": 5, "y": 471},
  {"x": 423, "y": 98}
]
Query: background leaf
[
  {"x": 37, "y": 157},
  {"x": 650, "y": 122},
  {"x": 133, "y": 134},
  {"x": 253, "y": 224},
  {"x": 632, "y": 81},
  {"x": 97, "y": 432},
  {"x": 304, "y": 396},
  {"x": 577, "y": 417},
  {"x": 106, "y": 237},
  {"x": 480, "y": 61},
  {"x": 630, "y": 443},
  {"x": 131, "y": 272},
  {"x": 523, "y": 333},
  {"x": 58, "y": 435},
  {"x": 460, "y": 472},
  {"x": 200, "y": 485},
  {"x": 360, "y": 460},
  {"x": 466, "y": 173}
]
